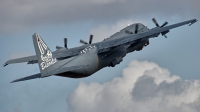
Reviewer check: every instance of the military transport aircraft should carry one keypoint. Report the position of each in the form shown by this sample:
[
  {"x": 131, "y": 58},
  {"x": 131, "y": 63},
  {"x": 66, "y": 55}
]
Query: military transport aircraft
[{"x": 87, "y": 59}]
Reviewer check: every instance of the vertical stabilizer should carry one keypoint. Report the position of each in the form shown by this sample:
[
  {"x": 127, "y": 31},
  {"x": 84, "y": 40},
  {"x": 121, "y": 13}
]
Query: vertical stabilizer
[{"x": 46, "y": 60}]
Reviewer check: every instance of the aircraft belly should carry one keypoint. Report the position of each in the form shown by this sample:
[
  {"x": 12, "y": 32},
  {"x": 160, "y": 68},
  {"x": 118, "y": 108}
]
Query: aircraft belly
[
  {"x": 136, "y": 46},
  {"x": 92, "y": 62}
]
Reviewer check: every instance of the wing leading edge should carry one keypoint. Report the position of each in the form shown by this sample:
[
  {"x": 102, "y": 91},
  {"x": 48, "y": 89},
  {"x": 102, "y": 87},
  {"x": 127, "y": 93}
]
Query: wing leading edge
[
  {"x": 132, "y": 38},
  {"x": 29, "y": 59}
]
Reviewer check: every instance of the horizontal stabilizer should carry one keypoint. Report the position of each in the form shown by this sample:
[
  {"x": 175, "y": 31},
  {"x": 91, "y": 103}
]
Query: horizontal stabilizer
[
  {"x": 21, "y": 60},
  {"x": 27, "y": 78}
]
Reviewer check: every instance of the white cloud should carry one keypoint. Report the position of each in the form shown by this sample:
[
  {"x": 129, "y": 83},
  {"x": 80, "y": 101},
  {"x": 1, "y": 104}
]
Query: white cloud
[{"x": 143, "y": 87}]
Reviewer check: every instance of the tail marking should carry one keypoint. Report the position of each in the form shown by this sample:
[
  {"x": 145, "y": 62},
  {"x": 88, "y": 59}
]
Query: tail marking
[{"x": 46, "y": 54}]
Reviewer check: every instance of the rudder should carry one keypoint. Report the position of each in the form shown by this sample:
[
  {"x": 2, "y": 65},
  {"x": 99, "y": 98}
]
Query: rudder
[{"x": 46, "y": 60}]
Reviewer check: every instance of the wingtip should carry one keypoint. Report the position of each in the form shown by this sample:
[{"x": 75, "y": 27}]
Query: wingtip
[
  {"x": 5, "y": 64},
  {"x": 12, "y": 82},
  {"x": 192, "y": 22},
  {"x": 17, "y": 80}
]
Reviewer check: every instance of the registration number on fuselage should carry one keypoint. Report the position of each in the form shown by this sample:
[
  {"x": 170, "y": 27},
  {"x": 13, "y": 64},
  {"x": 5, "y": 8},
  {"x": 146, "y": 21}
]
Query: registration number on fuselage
[{"x": 87, "y": 49}]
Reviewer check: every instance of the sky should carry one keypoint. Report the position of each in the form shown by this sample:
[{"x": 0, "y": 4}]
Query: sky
[{"x": 164, "y": 76}]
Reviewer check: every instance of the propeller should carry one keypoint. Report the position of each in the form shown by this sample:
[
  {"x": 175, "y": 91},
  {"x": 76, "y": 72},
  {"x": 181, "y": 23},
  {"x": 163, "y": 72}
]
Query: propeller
[
  {"x": 65, "y": 43},
  {"x": 90, "y": 40},
  {"x": 165, "y": 36},
  {"x": 128, "y": 32},
  {"x": 91, "y": 37},
  {"x": 136, "y": 28},
  {"x": 155, "y": 22},
  {"x": 164, "y": 24},
  {"x": 58, "y": 47},
  {"x": 83, "y": 42}
]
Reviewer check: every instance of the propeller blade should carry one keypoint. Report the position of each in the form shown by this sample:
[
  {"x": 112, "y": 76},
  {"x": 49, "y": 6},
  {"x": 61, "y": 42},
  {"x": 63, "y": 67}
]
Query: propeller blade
[
  {"x": 136, "y": 28},
  {"x": 91, "y": 37},
  {"x": 65, "y": 43},
  {"x": 83, "y": 42},
  {"x": 58, "y": 47},
  {"x": 164, "y": 24},
  {"x": 128, "y": 32},
  {"x": 155, "y": 22}
]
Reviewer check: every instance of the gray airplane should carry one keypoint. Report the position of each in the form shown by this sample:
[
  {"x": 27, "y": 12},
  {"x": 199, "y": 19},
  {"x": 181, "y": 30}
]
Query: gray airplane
[{"x": 87, "y": 59}]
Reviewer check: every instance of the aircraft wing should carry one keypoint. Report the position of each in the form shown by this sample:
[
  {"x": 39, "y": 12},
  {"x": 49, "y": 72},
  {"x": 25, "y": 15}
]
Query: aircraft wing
[
  {"x": 105, "y": 45},
  {"x": 57, "y": 71},
  {"x": 21, "y": 60},
  {"x": 58, "y": 54},
  {"x": 134, "y": 38}
]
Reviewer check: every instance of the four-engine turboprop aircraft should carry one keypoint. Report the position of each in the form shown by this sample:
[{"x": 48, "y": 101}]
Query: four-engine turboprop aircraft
[{"x": 87, "y": 59}]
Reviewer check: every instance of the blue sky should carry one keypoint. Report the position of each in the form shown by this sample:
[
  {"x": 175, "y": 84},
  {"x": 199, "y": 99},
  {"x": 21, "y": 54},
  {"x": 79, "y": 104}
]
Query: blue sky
[{"x": 76, "y": 20}]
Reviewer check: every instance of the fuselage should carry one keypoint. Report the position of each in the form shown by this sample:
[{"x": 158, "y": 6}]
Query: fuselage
[
  {"x": 87, "y": 56},
  {"x": 87, "y": 59},
  {"x": 95, "y": 61}
]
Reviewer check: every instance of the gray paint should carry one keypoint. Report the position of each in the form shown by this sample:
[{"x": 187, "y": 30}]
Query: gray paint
[{"x": 85, "y": 60}]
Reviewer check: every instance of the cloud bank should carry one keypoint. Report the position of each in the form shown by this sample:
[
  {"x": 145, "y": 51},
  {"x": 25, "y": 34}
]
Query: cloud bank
[
  {"x": 143, "y": 87},
  {"x": 18, "y": 15}
]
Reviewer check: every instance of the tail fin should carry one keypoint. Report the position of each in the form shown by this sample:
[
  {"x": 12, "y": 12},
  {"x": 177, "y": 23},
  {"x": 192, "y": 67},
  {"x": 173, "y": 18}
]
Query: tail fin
[{"x": 46, "y": 60}]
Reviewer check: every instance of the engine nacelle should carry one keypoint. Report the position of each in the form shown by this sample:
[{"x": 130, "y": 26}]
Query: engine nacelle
[
  {"x": 116, "y": 61},
  {"x": 140, "y": 48},
  {"x": 137, "y": 46},
  {"x": 112, "y": 58}
]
